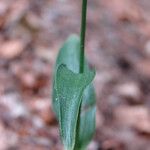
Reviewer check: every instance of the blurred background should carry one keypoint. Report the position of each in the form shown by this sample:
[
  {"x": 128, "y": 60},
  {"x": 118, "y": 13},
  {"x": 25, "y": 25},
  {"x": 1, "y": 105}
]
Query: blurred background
[{"x": 117, "y": 45}]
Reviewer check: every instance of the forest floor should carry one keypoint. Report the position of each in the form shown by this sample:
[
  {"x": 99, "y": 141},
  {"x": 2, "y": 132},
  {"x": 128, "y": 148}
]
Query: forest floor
[{"x": 117, "y": 45}]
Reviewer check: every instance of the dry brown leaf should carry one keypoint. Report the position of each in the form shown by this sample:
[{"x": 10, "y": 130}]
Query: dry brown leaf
[
  {"x": 129, "y": 90},
  {"x": 124, "y": 9},
  {"x": 134, "y": 116},
  {"x": 11, "y": 49},
  {"x": 143, "y": 68}
]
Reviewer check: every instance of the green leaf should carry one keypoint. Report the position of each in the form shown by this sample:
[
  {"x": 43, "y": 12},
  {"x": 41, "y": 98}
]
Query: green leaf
[
  {"x": 82, "y": 108},
  {"x": 69, "y": 54},
  {"x": 86, "y": 125},
  {"x": 69, "y": 89}
]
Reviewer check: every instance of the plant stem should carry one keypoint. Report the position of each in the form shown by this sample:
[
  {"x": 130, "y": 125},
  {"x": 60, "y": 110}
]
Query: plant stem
[{"x": 82, "y": 35}]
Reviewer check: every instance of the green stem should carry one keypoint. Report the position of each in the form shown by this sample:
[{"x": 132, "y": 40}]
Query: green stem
[{"x": 82, "y": 35}]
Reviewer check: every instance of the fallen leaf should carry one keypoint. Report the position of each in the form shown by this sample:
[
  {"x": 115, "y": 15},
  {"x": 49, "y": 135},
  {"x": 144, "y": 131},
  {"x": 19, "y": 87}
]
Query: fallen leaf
[
  {"x": 134, "y": 116},
  {"x": 11, "y": 49}
]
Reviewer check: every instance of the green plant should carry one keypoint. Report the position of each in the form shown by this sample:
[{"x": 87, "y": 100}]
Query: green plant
[{"x": 73, "y": 92}]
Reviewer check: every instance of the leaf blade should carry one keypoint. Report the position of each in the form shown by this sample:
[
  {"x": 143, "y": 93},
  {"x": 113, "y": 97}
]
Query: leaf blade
[
  {"x": 70, "y": 87},
  {"x": 70, "y": 56}
]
